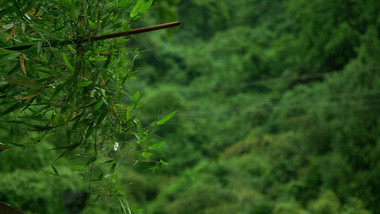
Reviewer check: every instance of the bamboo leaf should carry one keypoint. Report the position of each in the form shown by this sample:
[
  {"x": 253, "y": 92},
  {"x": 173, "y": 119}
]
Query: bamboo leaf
[
  {"x": 135, "y": 9},
  {"x": 6, "y": 52},
  {"x": 92, "y": 24},
  {"x": 79, "y": 167},
  {"x": 68, "y": 65},
  {"x": 30, "y": 96},
  {"x": 115, "y": 177},
  {"x": 13, "y": 108},
  {"x": 21, "y": 82},
  {"x": 166, "y": 118},
  {"x": 136, "y": 97},
  {"x": 55, "y": 170},
  {"x": 163, "y": 163},
  {"x": 22, "y": 63},
  {"x": 146, "y": 6},
  {"x": 71, "y": 48},
  {"x": 11, "y": 34},
  {"x": 4, "y": 147},
  {"x": 91, "y": 160},
  {"x": 99, "y": 104},
  {"x": 156, "y": 146},
  {"x": 84, "y": 84},
  {"x": 146, "y": 154}
]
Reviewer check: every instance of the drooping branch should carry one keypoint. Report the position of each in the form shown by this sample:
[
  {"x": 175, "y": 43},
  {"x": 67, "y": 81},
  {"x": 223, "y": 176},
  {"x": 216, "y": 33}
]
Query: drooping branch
[{"x": 100, "y": 37}]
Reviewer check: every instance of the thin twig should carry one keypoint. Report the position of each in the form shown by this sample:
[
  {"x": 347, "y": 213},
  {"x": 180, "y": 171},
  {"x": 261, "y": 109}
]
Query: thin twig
[{"x": 100, "y": 37}]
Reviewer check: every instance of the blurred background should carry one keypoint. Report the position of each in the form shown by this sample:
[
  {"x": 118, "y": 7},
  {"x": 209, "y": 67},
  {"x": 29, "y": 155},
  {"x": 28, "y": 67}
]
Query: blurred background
[{"x": 278, "y": 112}]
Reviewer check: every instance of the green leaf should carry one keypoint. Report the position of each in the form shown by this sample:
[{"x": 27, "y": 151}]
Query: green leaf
[
  {"x": 136, "y": 97},
  {"x": 74, "y": 9},
  {"x": 113, "y": 166},
  {"x": 155, "y": 167},
  {"x": 80, "y": 167},
  {"x": 123, "y": 186},
  {"x": 6, "y": 52},
  {"x": 163, "y": 163},
  {"x": 91, "y": 160},
  {"x": 115, "y": 177},
  {"x": 99, "y": 104},
  {"x": 55, "y": 170},
  {"x": 84, "y": 84},
  {"x": 135, "y": 210},
  {"x": 39, "y": 46},
  {"x": 71, "y": 49},
  {"x": 123, "y": 209},
  {"x": 68, "y": 65},
  {"x": 146, "y": 6},
  {"x": 50, "y": 173},
  {"x": 135, "y": 10},
  {"x": 92, "y": 25},
  {"x": 146, "y": 154},
  {"x": 124, "y": 3},
  {"x": 12, "y": 108},
  {"x": 59, "y": 120},
  {"x": 138, "y": 138},
  {"x": 139, "y": 126},
  {"x": 100, "y": 177},
  {"x": 157, "y": 145},
  {"x": 166, "y": 118},
  {"x": 68, "y": 149}
]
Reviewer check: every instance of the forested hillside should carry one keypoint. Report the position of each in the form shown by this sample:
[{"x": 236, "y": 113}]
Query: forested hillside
[
  {"x": 278, "y": 107},
  {"x": 278, "y": 112}
]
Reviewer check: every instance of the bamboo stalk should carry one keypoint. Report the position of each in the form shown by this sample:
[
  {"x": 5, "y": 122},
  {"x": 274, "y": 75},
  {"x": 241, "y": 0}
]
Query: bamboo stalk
[{"x": 100, "y": 37}]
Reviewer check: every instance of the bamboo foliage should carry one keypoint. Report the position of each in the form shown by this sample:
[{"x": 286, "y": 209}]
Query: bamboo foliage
[{"x": 65, "y": 84}]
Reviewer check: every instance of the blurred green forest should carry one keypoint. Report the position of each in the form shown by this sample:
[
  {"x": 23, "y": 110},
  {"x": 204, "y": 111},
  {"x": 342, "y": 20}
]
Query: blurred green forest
[{"x": 278, "y": 113}]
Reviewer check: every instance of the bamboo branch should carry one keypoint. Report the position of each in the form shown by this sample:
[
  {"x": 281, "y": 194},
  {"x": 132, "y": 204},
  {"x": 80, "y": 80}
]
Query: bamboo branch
[{"x": 100, "y": 37}]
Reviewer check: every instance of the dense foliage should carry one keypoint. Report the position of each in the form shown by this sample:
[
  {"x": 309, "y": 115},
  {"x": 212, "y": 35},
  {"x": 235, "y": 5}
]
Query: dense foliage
[
  {"x": 278, "y": 107},
  {"x": 277, "y": 111},
  {"x": 61, "y": 86}
]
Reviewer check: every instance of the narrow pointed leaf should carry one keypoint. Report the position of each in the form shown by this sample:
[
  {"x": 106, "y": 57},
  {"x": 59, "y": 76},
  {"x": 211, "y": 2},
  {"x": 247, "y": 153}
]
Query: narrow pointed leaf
[
  {"x": 55, "y": 170},
  {"x": 30, "y": 96},
  {"x": 136, "y": 97},
  {"x": 22, "y": 63},
  {"x": 99, "y": 104},
  {"x": 5, "y": 147},
  {"x": 146, "y": 6},
  {"x": 166, "y": 118},
  {"x": 14, "y": 107},
  {"x": 84, "y": 84},
  {"x": 146, "y": 154},
  {"x": 91, "y": 160},
  {"x": 79, "y": 167},
  {"x": 68, "y": 65},
  {"x": 6, "y": 52},
  {"x": 157, "y": 145},
  {"x": 135, "y": 10},
  {"x": 20, "y": 82},
  {"x": 11, "y": 34}
]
